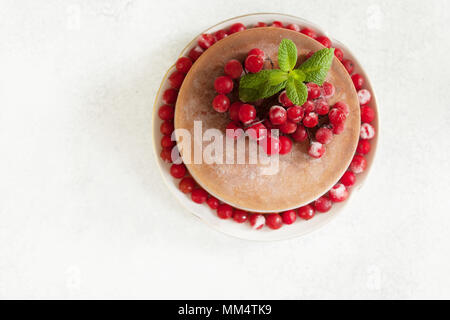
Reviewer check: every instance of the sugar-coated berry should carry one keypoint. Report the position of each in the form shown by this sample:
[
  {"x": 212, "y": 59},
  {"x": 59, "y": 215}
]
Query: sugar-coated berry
[
  {"x": 341, "y": 105},
  {"x": 308, "y": 107},
  {"x": 233, "y": 68},
  {"x": 240, "y": 216},
  {"x": 176, "y": 79},
  {"x": 288, "y": 127},
  {"x": 195, "y": 53},
  {"x": 323, "y": 204},
  {"x": 364, "y": 96},
  {"x": 358, "y": 81},
  {"x": 328, "y": 90},
  {"x": 338, "y": 54},
  {"x": 167, "y": 142},
  {"x": 349, "y": 66},
  {"x": 321, "y": 107},
  {"x": 363, "y": 147},
  {"x": 224, "y": 211},
  {"x": 338, "y": 193},
  {"x": 306, "y": 212},
  {"x": 285, "y": 145},
  {"x": 206, "y": 40},
  {"x": 257, "y": 131},
  {"x": 233, "y": 131},
  {"x": 295, "y": 114},
  {"x": 316, "y": 149},
  {"x": 186, "y": 185},
  {"x": 170, "y": 96},
  {"x": 348, "y": 179},
  {"x": 367, "y": 131},
  {"x": 277, "y": 24},
  {"x": 271, "y": 145},
  {"x": 274, "y": 221},
  {"x": 289, "y": 216},
  {"x": 234, "y": 110},
  {"x": 254, "y": 63},
  {"x": 277, "y": 115},
  {"x": 324, "y": 135},
  {"x": 237, "y": 27},
  {"x": 257, "y": 52},
  {"x": 260, "y": 25},
  {"x": 247, "y": 113},
  {"x": 221, "y": 103},
  {"x": 338, "y": 128},
  {"x": 336, "y": 116},
  {"x": 300, "y": 134},
  {"x": 166, "y": 127},
  {"x": 166, "y": 112},
  {"x": 358, "y": 164},
  {"x": 293, "y": 27},
  {"x": 325, "y": 41},
  {"x": 284, "y": 100},
  {"x": 213, "y": 203},
  {"x": 199, "y": 195},
  {"x": 311, "y": 120},
  {"x": 178, "y": 171},
  {"x": 166, "y": 155},
  {"x": 313, "y": 91},
  {"x": 223, "y": 84},
  {"x": 257, "y": 221},
  {"x": 183, "y": 64},
  {"x": 220, "y": 34},
  {"x": 309, "y": 32},
  {"x": 367, "y": 114}
]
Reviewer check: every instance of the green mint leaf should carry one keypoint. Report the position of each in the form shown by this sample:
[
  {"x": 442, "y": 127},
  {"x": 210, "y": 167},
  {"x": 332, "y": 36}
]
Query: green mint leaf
[
  {"x": 297, "y": 75},
  {"x": 296, "y": 91},
  {"x": 316, "y": 68},
  {"x": 287, "y": 55},
  {"x": 261, "y": 85}
]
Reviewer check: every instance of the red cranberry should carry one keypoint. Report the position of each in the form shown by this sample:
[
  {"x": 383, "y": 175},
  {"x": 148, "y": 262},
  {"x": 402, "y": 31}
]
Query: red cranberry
[
  {"x": 277, "y": 24},
  {"x": 336, "y": 116},
  {"x": 338, "y": 128},
  {"x": 309, "y": 32},
  {"x": 233, "y": 131},
  {"x": 224, "y": 211},
  {"x": 338, "y": 54},
  {"x": 254, "y": 63},
  {"x": 166, "y": 112},
  {"x": 166, "y": 154},
  {"x": 176, "y": 79},
  {"x": 364, "y": 96},
  {"x": 166, "y": 127},
  {"x": 213, "y": 203},
  {"x": 325, "y": 41},
  {"x": 221, "y": 103},
  {"x": 167, "y": 142},
  {"x": 293, "y": 27},
  {"x": 183, "y": 64},
  {"x": 349, "y": 66},
  {"x": 358, "y": 81},
  {"x": 309, "y": 55},
  {"x": 199, "y": 195},
  {"x": 295, "y": 114},
  {"x": 223, "y": 84},
  {"x": 306, "y": 212},
  {"x": 170, "y": 96},
  {"x": 277, "y": 115},
  {"x": 348, "y": 179},
  {"x": 233, "y": 68},
  {"x": 316, "y": 150},
  {"x": 178, "y": 171},
  {"x": 367, "y": 114},
  {"x": 285, "y": 145},
  {"x": 257, "y": 52},
  {"x": 288, "y": 127},
  {"x": 195, "y": 53},
  {"x": 313, "y": 91},
  {"x": 257, "y": 221},
  {"x": 234, "y": 110},
  {"x": 257, "y": 131},
  {"x": 328, "y": 89},
  {"x": 240, "y": 216},
  {"x": 247, "y": 113},
  {"x": 322, "y": 107},
  {"x": 324, "y": 135},
  {"x": 237, "y": 27},
  {"x": 338, "y": 193},
  {"x": 271, "y": 145},
  {"x": 367, "y": 131},
  {"x": 274, "y": 221},
  {"x": 260, "y": 25},
  {"x": 284, "y": 100},
  {"x": 323, "y": 204},
  {"x": 363, "y": 147},
  {"x": 289, "y": 216},
  {"x": 358, "y": 164},
  {"x": 187, "y": 185},
  {"x": 343, "y": 107},
  {"x": 308, "y": 107},
  {"x": 300, "y": 134},
  {"x": 220, "y": 34},
  {"x": 206, "y": 40},
  {"x": 311, "y": 120}
]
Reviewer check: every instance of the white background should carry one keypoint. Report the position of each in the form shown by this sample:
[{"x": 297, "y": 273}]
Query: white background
[{"x": 84, "y": 212}]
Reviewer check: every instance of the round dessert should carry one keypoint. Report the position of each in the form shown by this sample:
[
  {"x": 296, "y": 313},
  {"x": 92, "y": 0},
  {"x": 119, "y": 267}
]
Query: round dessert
[{"x": 300, "y": 175}]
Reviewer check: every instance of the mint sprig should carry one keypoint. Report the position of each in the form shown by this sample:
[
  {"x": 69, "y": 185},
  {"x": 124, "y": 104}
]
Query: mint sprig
[{"x": 267, "y": 83}]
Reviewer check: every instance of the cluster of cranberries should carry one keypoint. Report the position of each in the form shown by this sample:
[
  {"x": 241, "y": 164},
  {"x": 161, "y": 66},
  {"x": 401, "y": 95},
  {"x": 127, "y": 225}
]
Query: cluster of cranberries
[{"x": 305, "y": 119}]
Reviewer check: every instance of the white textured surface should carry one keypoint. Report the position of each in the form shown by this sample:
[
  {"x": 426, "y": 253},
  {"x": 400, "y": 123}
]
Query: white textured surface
[{"x": 84, "y": 214}]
